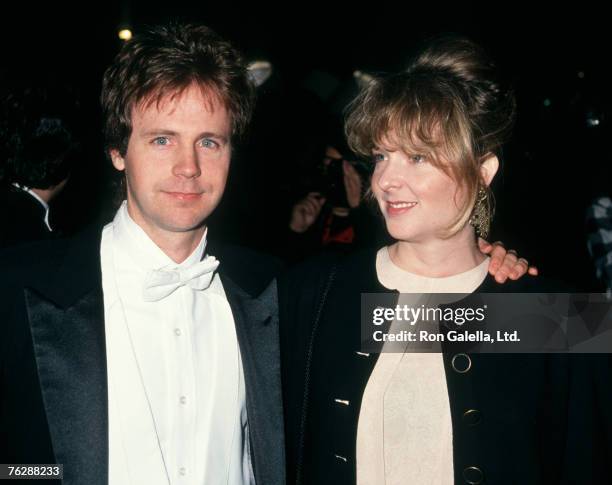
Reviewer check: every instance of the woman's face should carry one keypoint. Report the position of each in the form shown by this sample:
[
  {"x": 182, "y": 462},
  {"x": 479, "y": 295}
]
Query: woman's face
[{"x": 418, "y": 200}]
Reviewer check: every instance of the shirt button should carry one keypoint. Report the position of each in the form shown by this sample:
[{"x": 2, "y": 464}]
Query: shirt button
[
  {"x": 177, "y": 332},
  {"x": 183, "y": 400},
  {"x": 183, "y": 471}
]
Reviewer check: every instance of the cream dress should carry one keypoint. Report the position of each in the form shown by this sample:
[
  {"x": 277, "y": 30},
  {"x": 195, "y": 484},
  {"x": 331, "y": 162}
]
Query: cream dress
[{"x": 405, "y": 434}]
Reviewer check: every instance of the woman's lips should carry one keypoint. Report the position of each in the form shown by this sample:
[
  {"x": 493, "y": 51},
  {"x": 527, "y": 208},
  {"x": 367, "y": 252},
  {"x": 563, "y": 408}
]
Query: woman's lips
[{"x": 397, "y": 208}]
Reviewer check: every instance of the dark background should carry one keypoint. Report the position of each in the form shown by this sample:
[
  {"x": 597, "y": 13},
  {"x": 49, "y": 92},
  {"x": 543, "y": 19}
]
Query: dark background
[{"x": 557, "y": 56}]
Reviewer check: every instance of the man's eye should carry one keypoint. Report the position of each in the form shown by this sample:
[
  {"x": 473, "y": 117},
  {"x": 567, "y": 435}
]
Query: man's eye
[
  {"x": 161, "y": 140},
  {"x": 377, "y": 157},
  {"x": 418, "y": 158},
  {"x": 208, "y": 143}
]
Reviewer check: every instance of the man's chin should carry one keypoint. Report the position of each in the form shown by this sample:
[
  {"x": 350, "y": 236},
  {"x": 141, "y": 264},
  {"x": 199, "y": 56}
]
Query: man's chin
[
  {"x": 185, "y": 227},
  {"x": 187, "y": 218}
]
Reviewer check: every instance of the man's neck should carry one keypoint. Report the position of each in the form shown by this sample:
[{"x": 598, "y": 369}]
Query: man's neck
[
  {"x": 177, "y": 246},
  {"x": 50, "y": 193},
  {"x": 440, "y": 257},
  {"x": 44, "y": 194}
]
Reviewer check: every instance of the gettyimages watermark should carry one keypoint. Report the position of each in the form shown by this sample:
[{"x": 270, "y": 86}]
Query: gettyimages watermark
[{"x": 487, "y": 322}]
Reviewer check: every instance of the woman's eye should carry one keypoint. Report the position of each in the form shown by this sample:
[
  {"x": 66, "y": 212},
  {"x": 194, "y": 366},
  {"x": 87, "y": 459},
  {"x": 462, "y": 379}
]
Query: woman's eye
[
  {"x": 417, "y": 158},
  {"x": 161, "y": 141},
  {"x": 377, "y": 157}
]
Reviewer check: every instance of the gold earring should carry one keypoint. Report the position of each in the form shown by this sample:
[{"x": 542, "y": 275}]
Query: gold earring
[{"x": 481, "y": 217}]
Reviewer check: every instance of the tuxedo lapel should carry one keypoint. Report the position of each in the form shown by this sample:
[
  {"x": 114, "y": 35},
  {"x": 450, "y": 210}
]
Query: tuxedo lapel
[
  {"x": 66, "y": 318},
  {"x": 256, "y": 320}
]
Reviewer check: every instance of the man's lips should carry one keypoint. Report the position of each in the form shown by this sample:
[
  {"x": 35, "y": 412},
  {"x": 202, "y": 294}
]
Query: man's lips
[
  {"x": 398, "y": 207},
  {"x": 183, "y": 195}
]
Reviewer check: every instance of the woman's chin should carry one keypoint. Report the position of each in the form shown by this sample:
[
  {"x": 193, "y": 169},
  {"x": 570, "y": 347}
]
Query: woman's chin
[
  {"x": 405, "y": 236},
  {"x": 400, "y": 232}
]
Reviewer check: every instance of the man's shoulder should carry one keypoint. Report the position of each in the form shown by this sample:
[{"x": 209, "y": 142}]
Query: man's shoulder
[
  {"x": 37, "y": 263},
  {"x": 31, "y": 258},
  {"x": 21, "y": 217}
]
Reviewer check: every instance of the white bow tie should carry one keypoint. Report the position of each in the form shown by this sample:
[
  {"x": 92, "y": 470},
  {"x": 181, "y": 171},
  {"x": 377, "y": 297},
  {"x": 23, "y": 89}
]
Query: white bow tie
[{"x": 163, "y": 282}]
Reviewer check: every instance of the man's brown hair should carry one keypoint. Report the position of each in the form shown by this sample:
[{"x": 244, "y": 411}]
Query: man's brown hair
[{"x": 164, "y": 61}]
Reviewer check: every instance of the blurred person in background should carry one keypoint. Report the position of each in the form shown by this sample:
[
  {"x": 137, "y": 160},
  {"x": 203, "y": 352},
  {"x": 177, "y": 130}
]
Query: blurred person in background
[
  {"x": 39, "y": 148},
  {"x": 334, "y": 215}
]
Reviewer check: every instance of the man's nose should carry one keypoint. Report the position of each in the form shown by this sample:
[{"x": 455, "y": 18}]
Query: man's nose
[{"x": 188, "y": 164}]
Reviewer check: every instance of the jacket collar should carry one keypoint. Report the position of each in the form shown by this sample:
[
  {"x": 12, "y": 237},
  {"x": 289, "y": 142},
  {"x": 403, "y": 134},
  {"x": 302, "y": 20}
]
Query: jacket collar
[{"x": 66, "y": 315}]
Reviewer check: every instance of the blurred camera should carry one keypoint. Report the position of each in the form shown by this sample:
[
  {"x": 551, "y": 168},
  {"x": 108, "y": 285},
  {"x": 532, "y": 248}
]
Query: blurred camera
[{"x": 331, "y": 182}]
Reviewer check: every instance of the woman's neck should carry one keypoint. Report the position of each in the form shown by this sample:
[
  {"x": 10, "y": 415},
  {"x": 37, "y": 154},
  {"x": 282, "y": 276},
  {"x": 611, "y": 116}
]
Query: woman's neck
[{"x": 438, "y": 258}]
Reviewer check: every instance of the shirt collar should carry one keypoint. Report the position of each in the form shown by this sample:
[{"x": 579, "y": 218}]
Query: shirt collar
[
  {"x": 393, "y": 277},
  {"x": 142, "y": 250},
  {"x": 39, "y": 199}
]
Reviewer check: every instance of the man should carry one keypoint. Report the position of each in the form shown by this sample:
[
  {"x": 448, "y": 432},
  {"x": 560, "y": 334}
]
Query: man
[
  {"x": 135, "y": 355},
  {"x": 39, "y": 146}
]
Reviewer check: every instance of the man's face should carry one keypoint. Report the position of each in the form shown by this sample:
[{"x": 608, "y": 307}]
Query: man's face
[{"x": 176, "y": 162}]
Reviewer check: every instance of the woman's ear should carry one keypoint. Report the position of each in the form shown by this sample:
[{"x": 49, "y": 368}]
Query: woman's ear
[{"x": 489, "y": 168}]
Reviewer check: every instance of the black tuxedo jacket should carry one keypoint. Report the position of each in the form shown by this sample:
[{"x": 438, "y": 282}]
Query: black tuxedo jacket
[{"x": 53, "y": 383}]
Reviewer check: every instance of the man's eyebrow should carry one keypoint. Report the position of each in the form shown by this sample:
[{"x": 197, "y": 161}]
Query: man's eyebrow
[
  {"x": 210, "y": 134},
  {"x": 159, "y": 132},
  {"x": 164, "y": 132}
]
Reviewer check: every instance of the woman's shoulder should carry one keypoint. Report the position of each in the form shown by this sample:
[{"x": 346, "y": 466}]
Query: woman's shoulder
[
  {"x": 356, "y": 266},
  {"x": 328, "y": 282}
]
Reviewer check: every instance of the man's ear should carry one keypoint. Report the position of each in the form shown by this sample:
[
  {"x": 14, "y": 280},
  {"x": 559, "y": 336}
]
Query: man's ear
[
  {"x": 489, "y": 168},
  {"x": 117, "y": 159}
]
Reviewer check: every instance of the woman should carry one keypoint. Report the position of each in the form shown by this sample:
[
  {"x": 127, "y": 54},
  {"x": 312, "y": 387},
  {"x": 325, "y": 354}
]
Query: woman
[{"x": 434, "y": 133}]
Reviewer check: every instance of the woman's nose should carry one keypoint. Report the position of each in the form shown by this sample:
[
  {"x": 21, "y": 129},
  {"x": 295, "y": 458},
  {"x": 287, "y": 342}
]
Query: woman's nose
[{"x": 389, "y": 177}]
